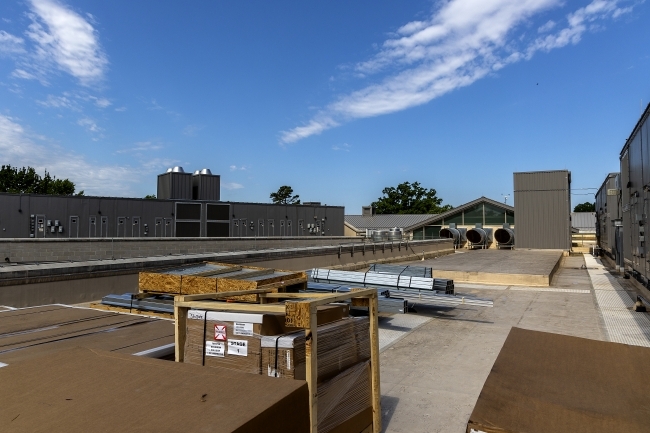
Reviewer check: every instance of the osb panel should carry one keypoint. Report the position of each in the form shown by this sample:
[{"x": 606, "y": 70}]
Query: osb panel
[
  {"x": 192, "y": 285},
  {"x": 113, "y": 308},
  {"x": 297, "y": 314},
  {"x": 228, "y": 285},
  {"x": 293, "y": 276},
  {"x": 164, "y": 283}
]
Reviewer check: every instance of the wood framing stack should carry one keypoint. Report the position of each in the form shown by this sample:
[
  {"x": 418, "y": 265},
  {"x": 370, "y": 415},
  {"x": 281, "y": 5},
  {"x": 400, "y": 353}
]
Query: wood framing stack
[
  {"x": 210, "y": 277},
  {"x": 301, "y": 310}
]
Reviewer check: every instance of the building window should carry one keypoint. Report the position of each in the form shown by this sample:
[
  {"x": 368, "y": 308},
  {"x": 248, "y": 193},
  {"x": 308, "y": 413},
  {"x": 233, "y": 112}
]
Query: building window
[
  {"x": 494, "y": 216},
  {"x": 474, "y": 215}
]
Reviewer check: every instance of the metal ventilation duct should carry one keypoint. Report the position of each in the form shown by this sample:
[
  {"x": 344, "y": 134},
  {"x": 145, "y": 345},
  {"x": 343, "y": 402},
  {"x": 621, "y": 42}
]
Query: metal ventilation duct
[
  {"x": 206, "y": 171},
  {"x": 480, "y": 236},
  {"x": 505, "y": 236},
  {"x": 178, "y": 169},
  {"x": 459, "y": 235}
]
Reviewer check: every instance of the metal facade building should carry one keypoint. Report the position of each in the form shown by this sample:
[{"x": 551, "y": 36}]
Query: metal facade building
[
  {"x": 187, "y": 209},
  {"x": 635, "y": 193},
  {"x": 543, "y": 209},
  {"x": 609, "y": 230}
]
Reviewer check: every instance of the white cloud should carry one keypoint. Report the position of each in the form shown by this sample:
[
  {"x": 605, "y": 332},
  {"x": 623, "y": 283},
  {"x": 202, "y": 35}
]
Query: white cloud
[
  {"x": 142, "y": 146},
  {"x": 21, "y": 73},
  {"x": 232, "y": 185},
  {"x": 120, "y": 109},
  {"x": 63, "y": 40},
  {"x": 463, "y": 41},
  {"x": 344, "y": 147},
  {"x": 90, "y": 125},
  {"x": 10, "y": 44},
  {"x": 102, "y": 102},
  {"x": 240, "y": 168},
  {"x": 191, "y": 130},
  {"x": 59, "y": 102},
  {"x": 547, "y": 27},
  {"x": 21, "y": 148}
]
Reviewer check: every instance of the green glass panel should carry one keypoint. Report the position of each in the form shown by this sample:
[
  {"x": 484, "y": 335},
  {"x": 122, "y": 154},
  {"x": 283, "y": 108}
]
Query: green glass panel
[
  {"x": 432, "y": 232},
  {"x": 418, "y": 234},
  {"x": 474, "y": 215},
  {"x": 510, "y": 217},
  {"x": 458, "y": 219},
  {"x": 493, "y": 216}
]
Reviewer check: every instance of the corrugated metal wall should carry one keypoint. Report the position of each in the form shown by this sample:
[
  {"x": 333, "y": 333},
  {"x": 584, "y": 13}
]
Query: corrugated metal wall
[
  {"x": 607, "y": 211},
  {"x": 635, "y": 194},
  {"x": 543, "y": 209},
  {"x": 96, "y": 217}
]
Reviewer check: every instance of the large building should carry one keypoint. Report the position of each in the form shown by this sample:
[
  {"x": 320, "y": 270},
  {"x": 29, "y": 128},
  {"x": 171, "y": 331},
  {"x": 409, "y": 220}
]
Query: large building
[
  {"x": 187, "y": 206},
  {"x": 488, "y": 214}
]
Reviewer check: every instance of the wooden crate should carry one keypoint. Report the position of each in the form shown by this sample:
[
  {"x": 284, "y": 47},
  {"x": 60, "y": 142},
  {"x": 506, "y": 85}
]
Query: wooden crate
[
  {"x": 211, "y": 282},
  {"x": 300, "y": 310}
]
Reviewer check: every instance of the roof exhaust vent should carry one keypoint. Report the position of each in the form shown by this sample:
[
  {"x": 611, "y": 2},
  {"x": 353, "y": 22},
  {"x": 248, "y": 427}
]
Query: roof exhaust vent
[
  {"x": 178, "y": 169},
  {"x": 206, "y": 171}
]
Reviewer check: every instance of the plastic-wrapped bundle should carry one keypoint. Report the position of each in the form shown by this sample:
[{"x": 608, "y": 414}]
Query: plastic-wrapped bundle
[
  {"x": 346, "y": 399},
  {"x": 341, "y": 344}
]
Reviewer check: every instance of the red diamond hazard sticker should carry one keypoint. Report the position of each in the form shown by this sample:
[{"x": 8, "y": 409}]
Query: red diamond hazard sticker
[{"x": 220, "y": 332}]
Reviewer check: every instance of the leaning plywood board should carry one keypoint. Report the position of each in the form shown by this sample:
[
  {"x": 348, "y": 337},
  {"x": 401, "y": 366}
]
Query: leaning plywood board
[
  {"x": 59, "y": 393},
  {"x": 543, "y": 382}
]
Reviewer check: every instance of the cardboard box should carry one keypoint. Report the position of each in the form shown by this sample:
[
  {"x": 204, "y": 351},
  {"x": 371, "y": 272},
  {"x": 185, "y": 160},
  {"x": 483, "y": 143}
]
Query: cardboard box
[
  {"x": 341, "y": 344},
  {"x": 543, "y": 382},
  {"x": 83, "y": 390},
  {"x": 233, "y": 339}
]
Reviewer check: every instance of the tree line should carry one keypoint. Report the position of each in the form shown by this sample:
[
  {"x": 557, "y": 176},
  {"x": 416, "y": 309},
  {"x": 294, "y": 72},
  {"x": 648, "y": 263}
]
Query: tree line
[{"x": 27, "y": 181}]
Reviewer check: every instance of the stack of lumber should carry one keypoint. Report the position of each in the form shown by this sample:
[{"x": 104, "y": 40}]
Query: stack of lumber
[
  {"x": 36, "y": 331},
  {"x": 211, "y": 277},
  {"x": 81, "y": 390}
]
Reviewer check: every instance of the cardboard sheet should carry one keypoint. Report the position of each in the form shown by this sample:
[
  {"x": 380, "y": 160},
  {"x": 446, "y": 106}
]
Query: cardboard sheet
[
  {"x": 544, "y": 382},
  {"x": 82, "y": 390}
]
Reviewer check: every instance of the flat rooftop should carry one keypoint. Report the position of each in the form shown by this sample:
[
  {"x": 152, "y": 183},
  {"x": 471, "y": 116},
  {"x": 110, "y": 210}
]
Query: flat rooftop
[
  {"x": 433, "y": 373},
  {"x": 508, "y": 267}
]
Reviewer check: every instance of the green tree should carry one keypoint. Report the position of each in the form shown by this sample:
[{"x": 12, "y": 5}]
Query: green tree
[
  {"x": 27, "y": 181},
  {"x": 284, "y": 195},
  {"x": 585, "y": 207},
  {"x": 150, "y": 196},
  {"x": 409, "y": 198}
]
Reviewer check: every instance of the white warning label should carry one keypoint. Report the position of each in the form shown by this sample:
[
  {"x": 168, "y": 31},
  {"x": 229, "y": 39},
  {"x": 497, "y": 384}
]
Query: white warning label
[
  {"x": 215, "y": 348},
  {"x": 242, "y": 328},
  {"x": 220, "y": 332}
]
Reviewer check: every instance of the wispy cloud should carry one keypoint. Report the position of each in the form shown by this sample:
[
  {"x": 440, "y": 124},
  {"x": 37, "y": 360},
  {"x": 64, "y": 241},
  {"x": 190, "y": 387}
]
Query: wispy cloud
[
  {"x": 344, "y": 147},
  {"x": 91, "y": 126},
  {"x": 191, "y": 130},
  {"x": 63, "y": 101},
  {"x": 20, "y": 147},
  {"x": 63, "y": 40},
  {"x": 238, "y": 168},
  {"x": 142, "y": 146},
  {"x": 462, "y": 42},
  {"x": 10, "y": 44},
  {"x": 232, "y": 185}
]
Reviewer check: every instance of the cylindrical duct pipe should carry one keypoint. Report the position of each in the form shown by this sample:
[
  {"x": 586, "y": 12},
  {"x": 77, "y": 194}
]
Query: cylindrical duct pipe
[
  {"x": 505, "y": 236},
  {"x": 479, "y": 236},
  {"x": 457, "y": 234}
]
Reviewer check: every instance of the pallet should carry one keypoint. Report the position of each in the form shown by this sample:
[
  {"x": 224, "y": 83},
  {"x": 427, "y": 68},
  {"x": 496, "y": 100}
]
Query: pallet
[{"x": 300, "y": 311}]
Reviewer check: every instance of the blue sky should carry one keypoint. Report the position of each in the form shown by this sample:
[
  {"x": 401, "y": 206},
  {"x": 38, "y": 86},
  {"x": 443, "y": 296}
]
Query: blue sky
[{"x": 337, "y": 99}]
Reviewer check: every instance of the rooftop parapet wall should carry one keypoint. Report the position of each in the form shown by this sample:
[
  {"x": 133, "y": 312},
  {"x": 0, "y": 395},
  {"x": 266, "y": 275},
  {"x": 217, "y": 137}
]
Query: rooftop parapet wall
[{"x": 82, "y": 249}]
